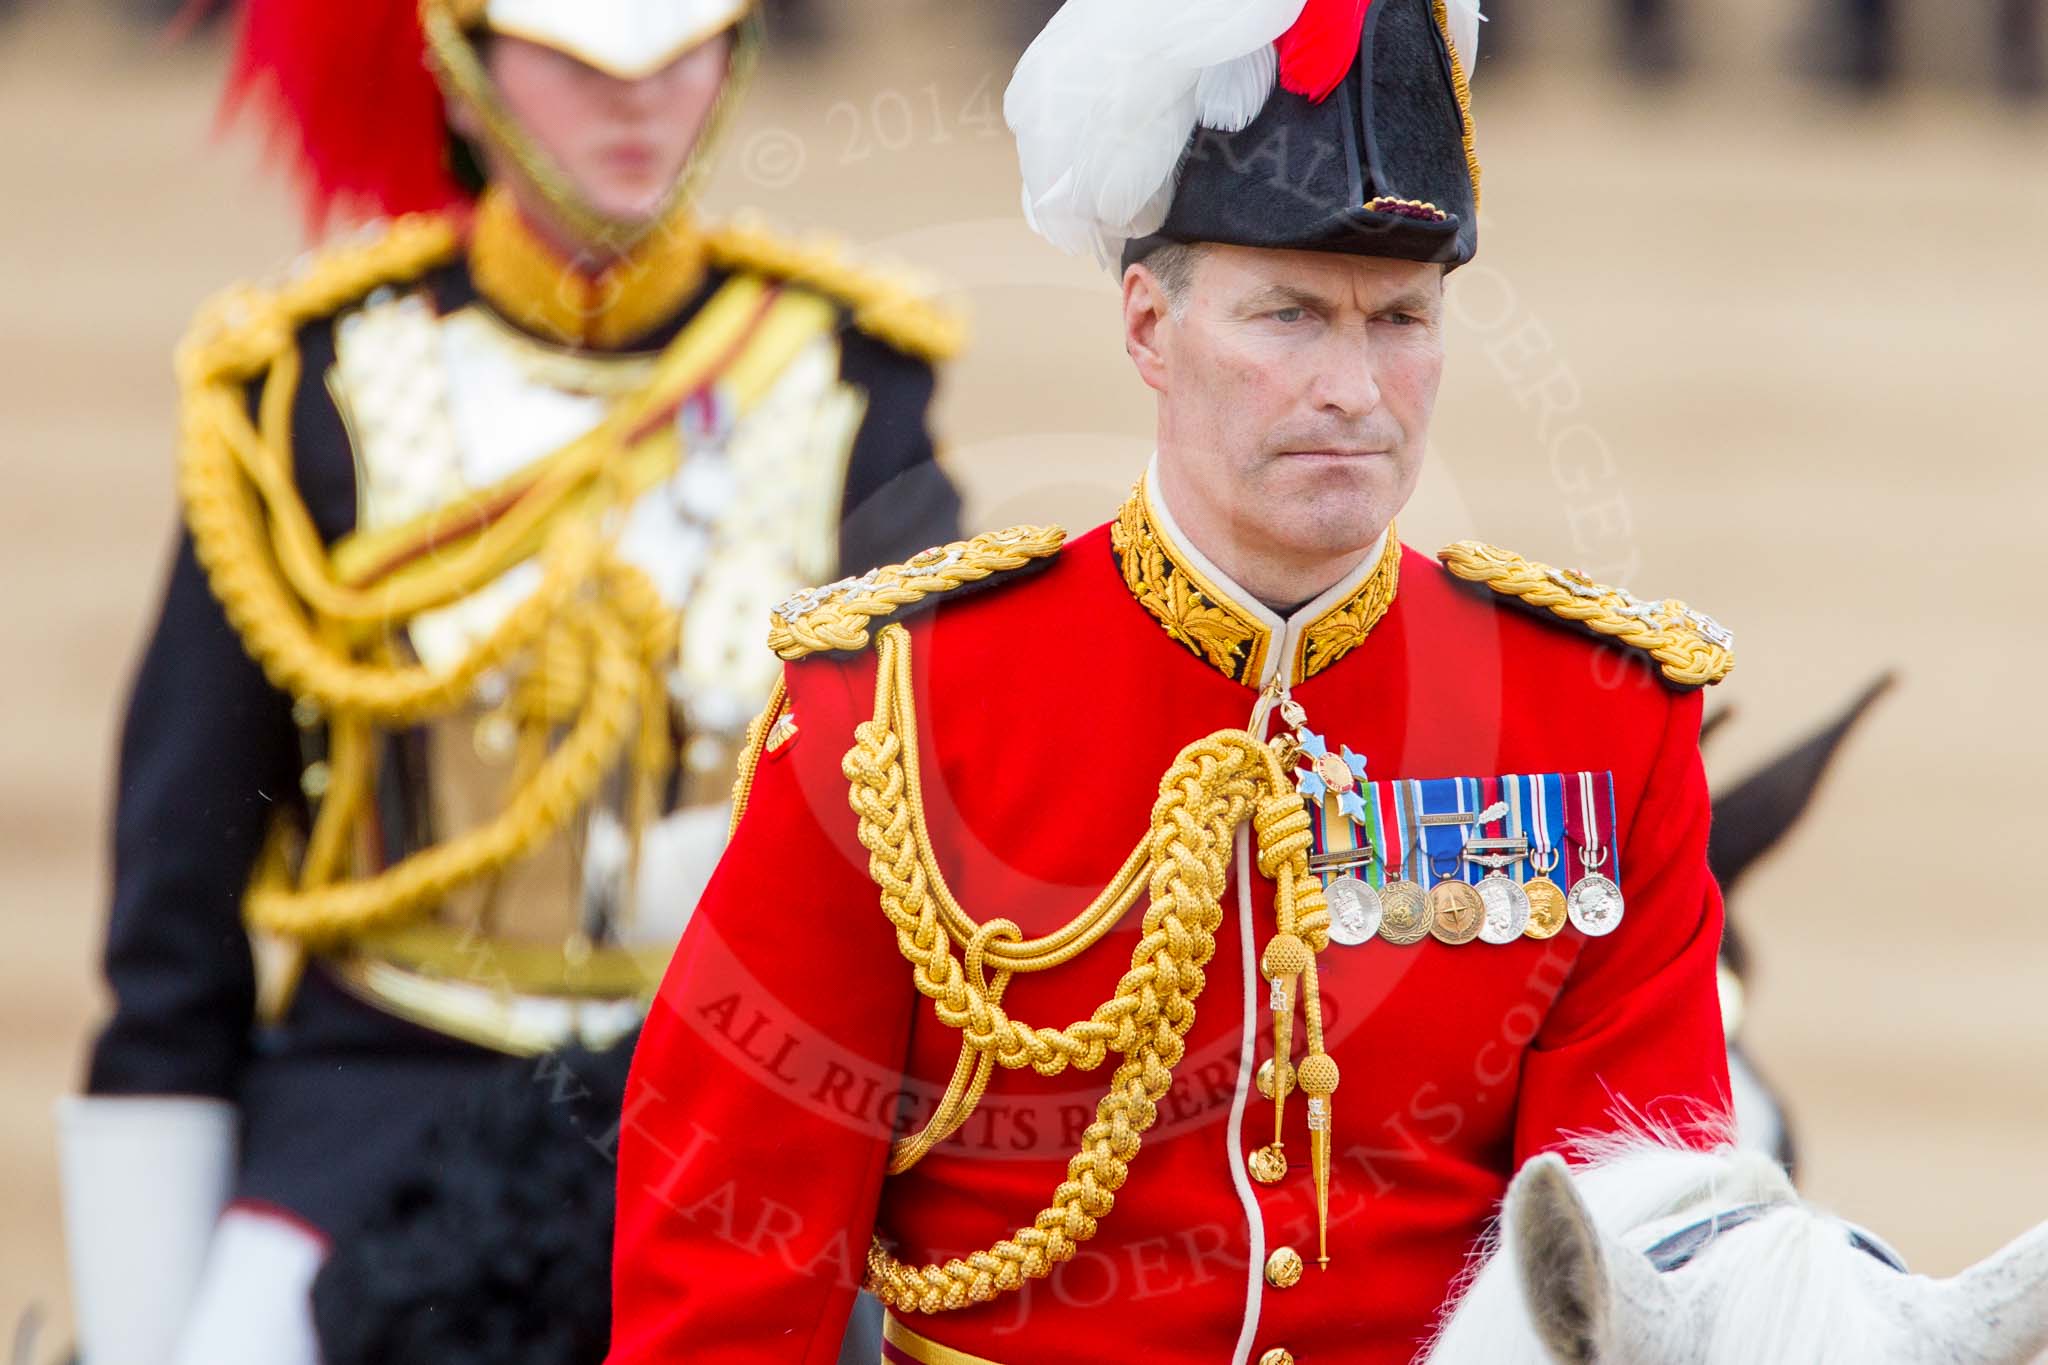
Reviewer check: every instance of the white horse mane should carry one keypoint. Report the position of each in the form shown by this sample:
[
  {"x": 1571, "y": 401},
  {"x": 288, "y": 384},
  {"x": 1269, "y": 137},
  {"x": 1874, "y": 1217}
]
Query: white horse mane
[{"x": 1563, "y": 1277}]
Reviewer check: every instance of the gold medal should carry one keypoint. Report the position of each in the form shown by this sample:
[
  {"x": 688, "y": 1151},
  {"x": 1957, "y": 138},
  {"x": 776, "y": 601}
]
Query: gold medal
[
  {"x": 1547, "y": 911},
  {"x": 1458, "y": 911},
  {"x": 1404, "y": 905},
  {"x": 1405, "y": 916}
]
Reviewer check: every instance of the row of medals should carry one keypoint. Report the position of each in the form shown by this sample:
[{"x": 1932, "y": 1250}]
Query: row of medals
[{"x": 1498, "y": 909}]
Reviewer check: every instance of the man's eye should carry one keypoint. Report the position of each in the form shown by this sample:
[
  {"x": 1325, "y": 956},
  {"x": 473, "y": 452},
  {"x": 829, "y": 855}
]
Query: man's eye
[
  {"x": 1403, "y": 319},
  {"x": 1288, "y": 314}
]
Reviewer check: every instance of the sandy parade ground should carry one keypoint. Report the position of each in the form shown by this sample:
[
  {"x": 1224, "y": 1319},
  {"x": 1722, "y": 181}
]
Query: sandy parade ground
[{"x": 1778, "y": 355}]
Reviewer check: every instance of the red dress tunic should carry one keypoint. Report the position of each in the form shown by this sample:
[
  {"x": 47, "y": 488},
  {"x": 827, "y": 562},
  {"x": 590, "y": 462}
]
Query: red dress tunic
[{"x": 789, "y": 1045}]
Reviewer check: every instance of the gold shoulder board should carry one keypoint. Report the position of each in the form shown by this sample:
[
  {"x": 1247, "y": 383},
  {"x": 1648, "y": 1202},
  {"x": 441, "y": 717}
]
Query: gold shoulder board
[
  {"x": 1691, "y": 648},
  {"x": 240, "y": 331},
  {"x": 837, "y": 617},
  {"x": 890, "y": 305}
]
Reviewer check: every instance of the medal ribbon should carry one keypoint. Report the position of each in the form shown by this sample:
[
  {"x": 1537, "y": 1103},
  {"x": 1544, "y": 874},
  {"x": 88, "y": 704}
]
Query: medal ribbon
[
  {"x": 1468, "y": 801},
  {"x": 1514, "y": 786},
  {"x": 1374, "y": 873},
  {"x": 1340, "y": 835},
  {"x": 1441, "y": 844},
  {"x": 1575, "y": 811},
  {"x": 1550, "y": 835},
  {"x": 1489, "y": 792},
  {"x": 1589, "y": 824},
  {"x": 1610, "y": 838},
  {"x": 1394, "y": 839},
  {"x": 1518, "y": 821}
]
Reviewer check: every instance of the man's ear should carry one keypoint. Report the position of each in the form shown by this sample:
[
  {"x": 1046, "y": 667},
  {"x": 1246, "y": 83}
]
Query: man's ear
[{"x": 1146, "y": 315}]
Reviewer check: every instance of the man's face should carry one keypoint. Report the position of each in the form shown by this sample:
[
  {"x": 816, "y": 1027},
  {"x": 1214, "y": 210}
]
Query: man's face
[
  {"x": 1295, "y": 392},
  {"x": 622, "y": 143}
]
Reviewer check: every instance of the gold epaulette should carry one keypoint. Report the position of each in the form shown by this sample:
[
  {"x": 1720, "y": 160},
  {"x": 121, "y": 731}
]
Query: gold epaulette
[
  {"x": 837, "y": 618},
  {"x": 238, "y": 332},
  {"x": 1691, "y": 648},
  {"x": 889, "y": 305}
]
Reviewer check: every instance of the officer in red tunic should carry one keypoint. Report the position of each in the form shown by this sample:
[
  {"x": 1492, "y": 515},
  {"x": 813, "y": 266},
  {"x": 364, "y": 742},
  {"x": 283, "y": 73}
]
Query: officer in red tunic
[{"x": 1165, "y": 944}]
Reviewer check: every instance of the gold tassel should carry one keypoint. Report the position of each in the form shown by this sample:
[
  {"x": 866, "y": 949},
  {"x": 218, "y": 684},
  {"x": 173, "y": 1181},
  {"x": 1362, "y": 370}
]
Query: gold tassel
[
  {"x": 1318, "y": 1077},
  {"x": 1282, "y": 963}
]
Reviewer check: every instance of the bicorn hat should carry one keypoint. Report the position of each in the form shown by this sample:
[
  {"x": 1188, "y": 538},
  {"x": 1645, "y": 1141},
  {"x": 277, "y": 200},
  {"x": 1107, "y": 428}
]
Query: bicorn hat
[{"x": 1327, "y": 125}]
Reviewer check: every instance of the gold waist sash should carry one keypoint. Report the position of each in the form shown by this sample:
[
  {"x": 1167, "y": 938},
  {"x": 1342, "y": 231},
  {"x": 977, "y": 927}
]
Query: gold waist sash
[
  {"x": 485, "y": 1009},
  {"x": 899, "y": 1343}
]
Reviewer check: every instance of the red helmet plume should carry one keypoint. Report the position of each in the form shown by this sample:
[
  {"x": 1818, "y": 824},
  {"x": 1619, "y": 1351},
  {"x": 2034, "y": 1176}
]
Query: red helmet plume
[
  {"x": 345, "y": 90},
  {"x": 1321, "y": 45}
]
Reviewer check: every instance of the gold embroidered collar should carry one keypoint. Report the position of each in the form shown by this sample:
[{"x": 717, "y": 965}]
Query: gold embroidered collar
[
  {"x": 529, "y": 283},
  {"x": 1225, "y": 625}
]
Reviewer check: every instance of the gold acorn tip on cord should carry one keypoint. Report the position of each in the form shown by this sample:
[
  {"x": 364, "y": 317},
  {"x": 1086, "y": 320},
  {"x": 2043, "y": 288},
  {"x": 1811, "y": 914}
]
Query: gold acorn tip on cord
[
  {"x": 1318, "y": 1076},
  {"x": 1285, "y": 958},
  {"x": 1289, "y": 964}
]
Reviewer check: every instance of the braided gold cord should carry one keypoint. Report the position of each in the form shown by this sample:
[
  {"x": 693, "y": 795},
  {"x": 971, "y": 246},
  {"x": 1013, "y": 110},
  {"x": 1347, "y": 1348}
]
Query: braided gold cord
[
  {"x": 586, "y": 649},
  {"x": 1213, "y": 786},
  {"x": 565, "y": 780},
  {"x": 750, "y": 752},
  {"x": 1662, "y": 630}
]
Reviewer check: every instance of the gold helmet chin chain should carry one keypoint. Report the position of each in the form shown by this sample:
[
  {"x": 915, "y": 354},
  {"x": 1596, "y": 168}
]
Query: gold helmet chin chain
[
  {"x": 459, "y": 66},
  {"x": 1213, "y": 787}
]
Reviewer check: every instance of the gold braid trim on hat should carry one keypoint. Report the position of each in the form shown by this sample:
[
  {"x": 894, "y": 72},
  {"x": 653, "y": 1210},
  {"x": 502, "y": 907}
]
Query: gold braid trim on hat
[
  {"x": 586, "y": 653},
  {"x": 1461, "y": 86},
  {"x": 1691, "y": 648},
  {"x": 1183, "y": 862}
]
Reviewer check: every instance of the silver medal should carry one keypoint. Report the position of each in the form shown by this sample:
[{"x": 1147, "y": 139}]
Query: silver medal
[
  {"x": 1595, "y": 906},
  {"x": 1507, "y": 908},
  {"x": 1355, "y": 911}
]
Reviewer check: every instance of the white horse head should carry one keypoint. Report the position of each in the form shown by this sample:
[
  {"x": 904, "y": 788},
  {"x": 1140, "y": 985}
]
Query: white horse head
[{"x": 1651, "y": 1253}]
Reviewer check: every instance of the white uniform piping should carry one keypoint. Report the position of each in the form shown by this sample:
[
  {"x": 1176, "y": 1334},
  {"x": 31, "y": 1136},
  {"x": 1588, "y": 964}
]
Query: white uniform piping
[
  {"x": 1285, "y": 640},
  {"x": 1255, "y": 1223}
]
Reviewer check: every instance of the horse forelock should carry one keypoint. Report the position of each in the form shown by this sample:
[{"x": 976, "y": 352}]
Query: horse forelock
[
  {"x": 1633, "y": 1182},
  {"x": 1791, "y": 1287}
]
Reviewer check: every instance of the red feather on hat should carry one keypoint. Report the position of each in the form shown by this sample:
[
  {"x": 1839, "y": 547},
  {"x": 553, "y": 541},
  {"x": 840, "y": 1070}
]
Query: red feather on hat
[
  {"x": 1320, "y": 47},
  {"x": 345, "y": 91}
]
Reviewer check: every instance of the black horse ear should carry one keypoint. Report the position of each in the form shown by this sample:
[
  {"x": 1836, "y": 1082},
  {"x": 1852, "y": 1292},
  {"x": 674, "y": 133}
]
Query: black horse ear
[{"x": 1751, "y": 817}]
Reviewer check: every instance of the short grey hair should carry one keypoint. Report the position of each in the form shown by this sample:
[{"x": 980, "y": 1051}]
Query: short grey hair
[{"x": 1173, "y": 265}]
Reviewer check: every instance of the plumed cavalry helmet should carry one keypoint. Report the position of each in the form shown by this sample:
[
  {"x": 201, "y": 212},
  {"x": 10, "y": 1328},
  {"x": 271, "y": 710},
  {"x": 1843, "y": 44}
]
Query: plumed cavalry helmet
[
  {"x": 359, "y": 92},
  {"x": 1327, "y": 125}
]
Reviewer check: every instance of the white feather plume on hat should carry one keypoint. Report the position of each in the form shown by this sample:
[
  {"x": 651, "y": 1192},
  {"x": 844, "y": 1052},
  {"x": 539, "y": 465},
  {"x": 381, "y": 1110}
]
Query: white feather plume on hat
[{"x": 1105, "y": 100}]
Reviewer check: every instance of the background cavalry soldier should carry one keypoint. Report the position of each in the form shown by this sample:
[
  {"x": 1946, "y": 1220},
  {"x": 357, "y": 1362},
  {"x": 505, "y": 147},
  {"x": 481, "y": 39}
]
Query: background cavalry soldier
[
  {"x": 1168, "y": 949},
  {"x": 483, "y": 510}
]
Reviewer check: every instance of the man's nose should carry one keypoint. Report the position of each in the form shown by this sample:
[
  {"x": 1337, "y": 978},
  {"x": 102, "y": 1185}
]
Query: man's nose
[{"x": 1347, "y": 378}]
